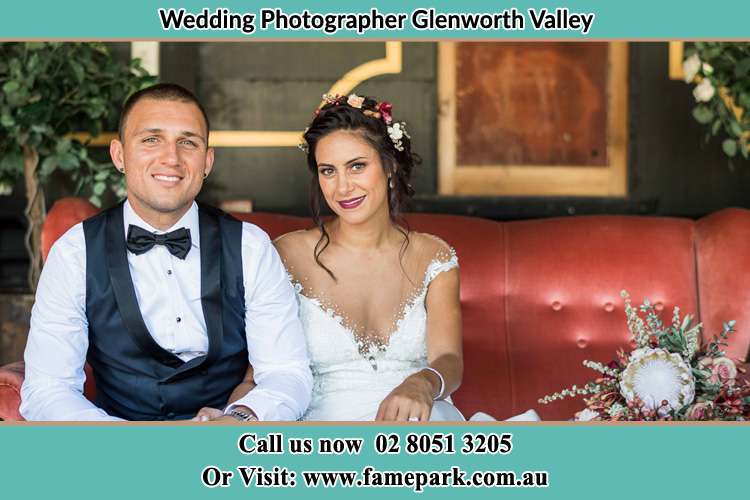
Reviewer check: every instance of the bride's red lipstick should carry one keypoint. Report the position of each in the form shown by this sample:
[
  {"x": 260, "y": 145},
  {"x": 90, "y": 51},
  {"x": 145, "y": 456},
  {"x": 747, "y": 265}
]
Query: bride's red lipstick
[{"x": 352, "y": 202}]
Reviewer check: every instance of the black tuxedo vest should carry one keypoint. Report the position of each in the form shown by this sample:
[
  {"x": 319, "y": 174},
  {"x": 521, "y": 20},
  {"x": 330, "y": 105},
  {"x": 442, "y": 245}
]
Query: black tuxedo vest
[{"x": 136, "y": 379}]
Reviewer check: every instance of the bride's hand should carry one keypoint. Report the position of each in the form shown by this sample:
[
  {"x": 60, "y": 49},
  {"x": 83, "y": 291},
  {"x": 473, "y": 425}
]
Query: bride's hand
[
  {"x": 206, "y": 414},
  {"x": 411, "y": 400}
]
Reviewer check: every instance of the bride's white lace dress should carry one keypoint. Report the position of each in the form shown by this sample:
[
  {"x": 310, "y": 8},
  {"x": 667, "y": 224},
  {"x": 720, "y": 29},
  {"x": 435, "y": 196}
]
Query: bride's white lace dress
[
  {"x": 354, "y": 370},
  {"x": 352, "y": 376}
]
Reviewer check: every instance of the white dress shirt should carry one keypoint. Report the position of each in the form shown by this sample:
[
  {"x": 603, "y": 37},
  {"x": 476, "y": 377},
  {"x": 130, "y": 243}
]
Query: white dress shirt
[{"x": 168, "y": 290}]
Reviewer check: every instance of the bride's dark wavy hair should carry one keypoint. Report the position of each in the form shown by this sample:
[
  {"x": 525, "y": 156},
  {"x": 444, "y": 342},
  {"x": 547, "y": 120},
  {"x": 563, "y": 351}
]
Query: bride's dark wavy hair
[{"x": 398, "y": 165}]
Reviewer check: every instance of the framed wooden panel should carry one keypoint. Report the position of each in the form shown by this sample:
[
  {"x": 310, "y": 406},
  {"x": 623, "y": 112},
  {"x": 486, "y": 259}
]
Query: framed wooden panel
[{"x": 539, "y": 119}]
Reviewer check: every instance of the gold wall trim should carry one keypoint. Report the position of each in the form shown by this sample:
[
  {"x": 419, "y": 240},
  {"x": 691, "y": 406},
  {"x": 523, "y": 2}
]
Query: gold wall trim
[
  {"x": 390, "y": 64},
  {"x": 676, "y": 55},
  {"x": 221, "y": 138}
]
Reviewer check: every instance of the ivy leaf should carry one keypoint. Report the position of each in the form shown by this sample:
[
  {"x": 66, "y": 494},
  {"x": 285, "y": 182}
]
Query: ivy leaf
[
  {"x": 33, "y": 62},
  {"x": 68, "y": 161},
  {"x": 41, "y": 100},
  {"x": 99, "y": 188},
  {"x": 49, "y": 164},
  {"x": 11, "y": 87},
  {"x": 703, "y": 114},
  {"x": 63, "y": 146},
  {"x": 742, "y": 68},
  {"x": 78, "y": 70},
  {"x": 7, "y": 121},
  {"x": 730, "y": 147},
  {"x": 12, "y": 161}
]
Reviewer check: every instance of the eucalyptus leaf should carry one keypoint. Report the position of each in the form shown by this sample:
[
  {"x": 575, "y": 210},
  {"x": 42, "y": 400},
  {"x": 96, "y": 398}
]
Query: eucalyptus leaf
[
  {"x": 715, "y": 127},
  {"x": 703, "y": 114},
  {"x": 731, "y": 77},
  {"x": 735, "y": 128},
  {"x": 730, "y": 147}
]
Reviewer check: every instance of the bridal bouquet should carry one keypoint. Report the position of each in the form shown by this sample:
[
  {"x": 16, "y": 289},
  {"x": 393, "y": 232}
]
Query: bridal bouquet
[{"x": 669, "y": 376}]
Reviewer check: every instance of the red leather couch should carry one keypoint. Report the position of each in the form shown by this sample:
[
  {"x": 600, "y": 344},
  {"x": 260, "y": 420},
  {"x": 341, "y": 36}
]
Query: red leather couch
[{"x": 540, "y": 296}]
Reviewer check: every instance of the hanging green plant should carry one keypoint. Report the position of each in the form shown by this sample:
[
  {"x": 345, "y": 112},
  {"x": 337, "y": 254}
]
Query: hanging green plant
[
  {"x": 48, "y": 91},
  {"x": 721, "y": 72}
]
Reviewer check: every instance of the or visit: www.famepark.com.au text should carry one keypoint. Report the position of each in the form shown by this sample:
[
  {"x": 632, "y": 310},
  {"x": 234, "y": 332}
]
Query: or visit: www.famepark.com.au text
[{"x": 417, "y": 480}]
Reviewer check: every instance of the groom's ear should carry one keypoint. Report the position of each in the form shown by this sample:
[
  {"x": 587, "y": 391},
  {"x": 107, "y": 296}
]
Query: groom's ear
[
  {"x": 209, "y": 161},
  {"x": 116, "y": 152}
]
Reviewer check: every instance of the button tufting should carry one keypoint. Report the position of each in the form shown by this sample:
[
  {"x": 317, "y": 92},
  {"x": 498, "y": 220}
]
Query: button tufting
[
  {"x": 659, "y": 306},
  {"x": 582, "y": 343},
  {"x": 556, "y": 306},
  {"x": 609, "y": 307}
]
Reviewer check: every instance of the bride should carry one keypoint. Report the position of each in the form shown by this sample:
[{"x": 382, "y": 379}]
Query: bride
[{"x": 379, "y": 303}]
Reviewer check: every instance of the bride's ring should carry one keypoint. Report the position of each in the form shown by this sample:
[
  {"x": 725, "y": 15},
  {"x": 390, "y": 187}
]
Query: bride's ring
[{"x": 413, "y": 419}]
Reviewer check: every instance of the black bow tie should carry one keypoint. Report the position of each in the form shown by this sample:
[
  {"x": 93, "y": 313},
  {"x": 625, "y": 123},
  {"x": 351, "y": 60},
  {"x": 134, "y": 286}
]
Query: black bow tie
[{"x": 141, "y": 241}]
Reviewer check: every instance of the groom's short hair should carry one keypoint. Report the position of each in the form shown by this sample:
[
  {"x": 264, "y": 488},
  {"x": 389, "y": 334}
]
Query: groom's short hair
[{"x": 160, "y": 92}]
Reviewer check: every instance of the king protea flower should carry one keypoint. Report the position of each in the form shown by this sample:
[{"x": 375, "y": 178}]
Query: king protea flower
[{"x": 655, "y": 376}]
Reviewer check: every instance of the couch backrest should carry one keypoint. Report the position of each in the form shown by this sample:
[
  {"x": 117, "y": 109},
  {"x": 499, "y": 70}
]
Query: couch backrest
[{"x": 538, "y": 297}]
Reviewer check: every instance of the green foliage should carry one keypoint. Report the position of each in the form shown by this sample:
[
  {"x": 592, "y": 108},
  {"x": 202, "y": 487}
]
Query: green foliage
[
  {"x": 50, "y": 90},
  {"x": 727, "y": 67}
]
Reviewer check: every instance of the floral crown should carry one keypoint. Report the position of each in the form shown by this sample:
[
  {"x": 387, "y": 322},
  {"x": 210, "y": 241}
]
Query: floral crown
[{"x": 369, "y": 107}]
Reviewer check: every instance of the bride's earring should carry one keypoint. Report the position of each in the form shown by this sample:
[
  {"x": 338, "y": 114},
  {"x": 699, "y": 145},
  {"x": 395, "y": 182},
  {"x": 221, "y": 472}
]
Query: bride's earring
[{"x": 390, "y": 182}]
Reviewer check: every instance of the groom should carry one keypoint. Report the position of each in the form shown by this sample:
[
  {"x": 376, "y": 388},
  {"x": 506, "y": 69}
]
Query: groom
[{"x": 166, "y": 299}]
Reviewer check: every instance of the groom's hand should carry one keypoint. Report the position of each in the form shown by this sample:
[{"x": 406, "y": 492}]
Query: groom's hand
[{"x": 411, "y": 400}]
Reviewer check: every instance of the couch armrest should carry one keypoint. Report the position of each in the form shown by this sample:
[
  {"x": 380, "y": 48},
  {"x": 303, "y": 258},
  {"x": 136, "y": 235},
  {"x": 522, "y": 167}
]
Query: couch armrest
[{"x": 11, "y": 378}]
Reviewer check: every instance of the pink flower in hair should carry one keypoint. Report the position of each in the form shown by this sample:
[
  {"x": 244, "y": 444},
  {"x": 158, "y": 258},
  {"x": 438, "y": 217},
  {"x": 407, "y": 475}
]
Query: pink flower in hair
[
  {"x": 385, "y": 109},
  {"x": 355, "y": 101}
]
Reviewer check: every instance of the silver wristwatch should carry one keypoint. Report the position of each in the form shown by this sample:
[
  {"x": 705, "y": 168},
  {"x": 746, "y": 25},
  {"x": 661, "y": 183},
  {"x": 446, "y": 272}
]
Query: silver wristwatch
[{"x": 242, "y": 416}]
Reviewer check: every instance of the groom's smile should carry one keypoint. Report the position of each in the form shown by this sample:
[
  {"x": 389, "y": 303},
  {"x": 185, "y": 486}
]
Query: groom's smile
[{"x": 167, "y": 180}]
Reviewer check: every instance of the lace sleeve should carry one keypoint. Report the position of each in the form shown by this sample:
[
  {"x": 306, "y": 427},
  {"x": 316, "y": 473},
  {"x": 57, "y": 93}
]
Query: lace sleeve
[{"x": 444, "y": 261}]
